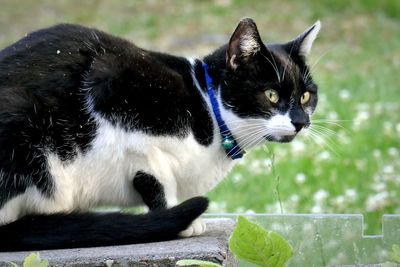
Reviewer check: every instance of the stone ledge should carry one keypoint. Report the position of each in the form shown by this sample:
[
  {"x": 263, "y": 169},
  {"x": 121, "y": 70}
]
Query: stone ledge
[{"x": 211, "y": 246}]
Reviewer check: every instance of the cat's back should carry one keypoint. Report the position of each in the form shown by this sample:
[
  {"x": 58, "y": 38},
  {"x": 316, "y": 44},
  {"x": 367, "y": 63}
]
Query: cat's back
[
  {"x": 42, "y": 74},
  {"x": 53, "y": 56}
]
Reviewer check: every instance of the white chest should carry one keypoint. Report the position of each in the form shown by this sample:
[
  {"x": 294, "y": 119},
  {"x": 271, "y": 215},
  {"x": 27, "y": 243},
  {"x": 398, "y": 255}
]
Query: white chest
[{"x": 104, "y": 174}]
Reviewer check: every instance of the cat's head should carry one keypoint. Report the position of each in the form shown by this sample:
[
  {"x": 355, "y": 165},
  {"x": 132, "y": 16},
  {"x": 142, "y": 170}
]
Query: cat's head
[{"x": 267, "y": 91}]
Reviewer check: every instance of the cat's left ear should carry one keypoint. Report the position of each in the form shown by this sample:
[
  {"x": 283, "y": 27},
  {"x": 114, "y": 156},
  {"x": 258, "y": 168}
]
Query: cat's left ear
[
  {"x": 245, "y": 42},
  {"x": 303, "y": 43}
]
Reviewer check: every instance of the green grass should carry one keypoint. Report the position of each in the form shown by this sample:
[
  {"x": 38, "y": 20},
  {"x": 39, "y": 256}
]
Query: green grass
[{"x": 356, "y": 168}]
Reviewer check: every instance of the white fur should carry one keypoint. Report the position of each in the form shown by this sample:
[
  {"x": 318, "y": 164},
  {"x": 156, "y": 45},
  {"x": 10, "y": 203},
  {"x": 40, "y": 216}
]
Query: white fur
[
  {"x": 195, "y": 229},
  {"x": 104, "y": 174},
  {"x": 249, "y": 45},
  {"x": 251, "y": 132},
  {"x": 280, "y": 125},
  {"x": 32, "y": 201},
  {"x": 308, "y": 41}
]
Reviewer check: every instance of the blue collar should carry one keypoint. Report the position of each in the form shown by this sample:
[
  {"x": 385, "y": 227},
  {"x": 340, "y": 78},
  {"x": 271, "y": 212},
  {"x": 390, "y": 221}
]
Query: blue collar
[{"x": 228, "y": 142}]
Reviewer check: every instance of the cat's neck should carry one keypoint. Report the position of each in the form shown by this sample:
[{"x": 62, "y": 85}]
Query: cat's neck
[
  {"x": 216, "y": 63},
  {"x": 208, "y": 76}
]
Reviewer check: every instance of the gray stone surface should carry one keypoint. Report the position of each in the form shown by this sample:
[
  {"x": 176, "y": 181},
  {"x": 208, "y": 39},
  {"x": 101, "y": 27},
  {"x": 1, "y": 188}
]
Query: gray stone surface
[{"x": 211, "y": 246}]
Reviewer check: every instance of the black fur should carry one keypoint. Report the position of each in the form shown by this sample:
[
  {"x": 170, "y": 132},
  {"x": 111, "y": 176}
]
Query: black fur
[
  {"x": 44, "y": 82},
  {"x": 52, "y": 80},
  {"x": 44, "y": 108},
  {"x": 151, "y": 190},
  {"x": 90, "y": 229}
]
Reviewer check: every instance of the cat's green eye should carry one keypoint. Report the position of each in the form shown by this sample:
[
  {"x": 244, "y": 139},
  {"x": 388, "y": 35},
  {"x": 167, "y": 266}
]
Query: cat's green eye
[
  {"x": 305, "y": 98},
  {"x": 272, "y": 95}
]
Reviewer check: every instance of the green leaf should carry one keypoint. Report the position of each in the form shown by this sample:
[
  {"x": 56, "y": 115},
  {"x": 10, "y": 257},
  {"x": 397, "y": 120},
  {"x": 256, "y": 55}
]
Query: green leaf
[
  {"x": 395, "y": 254},
  {"x": 13, "y": 264},
  {"x": 197, "y": 263},
  {"x": 254, "y": 244},
  {"x": 33, "y": 260}
]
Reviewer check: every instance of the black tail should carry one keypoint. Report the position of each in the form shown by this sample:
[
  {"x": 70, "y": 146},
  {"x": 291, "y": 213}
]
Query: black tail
[{"x": 92, "y": 229}]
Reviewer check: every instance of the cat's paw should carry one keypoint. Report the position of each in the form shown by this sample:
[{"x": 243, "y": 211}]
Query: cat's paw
[{"x": 195, "y": 229}]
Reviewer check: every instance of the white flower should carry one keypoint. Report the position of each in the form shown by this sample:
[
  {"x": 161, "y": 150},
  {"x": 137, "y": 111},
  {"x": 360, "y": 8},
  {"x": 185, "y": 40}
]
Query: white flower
[
  {"x": 376, "y": 153},
  {"x": 362, "y": 106},
  {"x": 332, "y": 115},
  {"x": 343, "y": 138},
  {"x": 351, "y": 194},
  {"x": 379, "y": 187},
  {"x": 217, "y": 206},
  {"x": 339, "y": 200},
  {"x": 274, "y": 208},
  {"x": 320, "y": 196},
  {"x": 316, "y": 209},
  {"x": 377, "y": 201},
  {"x": 324, "y": 155},
  {"x": 298, "y": 146},
  {"x": 267, "y": 163},
  {"x": 361, "y": 117},
  {"x": 392, "y": 151},
  {"x": 300, "y": 178},
  {"x": 387, "y": 127},
  {"x": 250, "y": 212},
  {"x": 256, "y": 166},
  {"x": 237, "y": 178},
  {"x": 388, "y": 169},
  {"x": 360, "y": 164},
  {"x": 344, "y": 94},
  {"x": 294, "y": 198}
]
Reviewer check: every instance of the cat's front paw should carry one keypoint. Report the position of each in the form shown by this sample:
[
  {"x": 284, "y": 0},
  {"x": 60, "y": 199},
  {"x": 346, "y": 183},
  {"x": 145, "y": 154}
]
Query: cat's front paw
[{"x": 195, "y": 229}]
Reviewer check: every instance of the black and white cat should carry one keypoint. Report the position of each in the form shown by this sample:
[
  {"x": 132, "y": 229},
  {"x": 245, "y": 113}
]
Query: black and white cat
[{"x": 89, "y": 119}]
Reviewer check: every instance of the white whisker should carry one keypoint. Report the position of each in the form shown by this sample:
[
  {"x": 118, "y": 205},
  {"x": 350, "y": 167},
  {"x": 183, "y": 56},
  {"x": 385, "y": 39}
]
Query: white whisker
[
  {"x": 325, "y": 140},
  {"x": 273, "y": 66},
  {"x": 311, "y": 69}
]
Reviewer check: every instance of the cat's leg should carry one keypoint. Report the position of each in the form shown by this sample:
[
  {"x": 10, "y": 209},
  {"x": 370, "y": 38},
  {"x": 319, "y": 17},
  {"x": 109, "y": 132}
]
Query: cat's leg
[
  {"x": 153, "y": 195},
  {"x": 151, "y": 190}
]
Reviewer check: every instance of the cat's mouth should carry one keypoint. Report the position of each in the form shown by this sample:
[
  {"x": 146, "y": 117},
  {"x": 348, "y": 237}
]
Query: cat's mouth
[{"x": 281, "y": 139}]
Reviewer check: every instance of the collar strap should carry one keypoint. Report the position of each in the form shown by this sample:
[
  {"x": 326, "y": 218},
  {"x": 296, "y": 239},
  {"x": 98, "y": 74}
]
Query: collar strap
[{"x": 228, "y": 142}]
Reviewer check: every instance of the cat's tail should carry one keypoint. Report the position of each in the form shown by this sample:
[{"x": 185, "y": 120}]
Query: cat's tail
[{"x": 94, "y": 229}]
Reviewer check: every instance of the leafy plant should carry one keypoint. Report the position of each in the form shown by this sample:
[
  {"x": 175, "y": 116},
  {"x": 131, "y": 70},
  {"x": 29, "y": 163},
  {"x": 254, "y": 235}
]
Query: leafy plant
[
  {"x": 254, "y": 244},
  {"x": 395, "y": 254},
  {"x": 33, "y": 260}
]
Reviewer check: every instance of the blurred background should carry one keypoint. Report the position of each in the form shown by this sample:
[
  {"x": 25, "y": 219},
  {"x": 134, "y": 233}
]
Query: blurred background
[{"x": 349, "y": 162}]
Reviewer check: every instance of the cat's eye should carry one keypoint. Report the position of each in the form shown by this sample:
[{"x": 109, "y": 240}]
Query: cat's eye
[
  {"x": 272, "y": 95},
  {"x": 305, "y": 98}
]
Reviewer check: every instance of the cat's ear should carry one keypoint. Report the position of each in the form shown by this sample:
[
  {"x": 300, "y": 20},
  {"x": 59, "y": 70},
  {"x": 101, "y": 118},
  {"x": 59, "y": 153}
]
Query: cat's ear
[
  {"x": 303, "y": 43},
  {"x": 244, "y": 43}
]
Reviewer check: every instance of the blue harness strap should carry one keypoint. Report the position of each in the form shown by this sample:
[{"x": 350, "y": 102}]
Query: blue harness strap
[{"x": 228, "y": 142}]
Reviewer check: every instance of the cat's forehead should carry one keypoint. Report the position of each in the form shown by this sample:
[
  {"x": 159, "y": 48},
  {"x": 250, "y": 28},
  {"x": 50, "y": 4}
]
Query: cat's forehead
[{"x": 287, "y": 71}]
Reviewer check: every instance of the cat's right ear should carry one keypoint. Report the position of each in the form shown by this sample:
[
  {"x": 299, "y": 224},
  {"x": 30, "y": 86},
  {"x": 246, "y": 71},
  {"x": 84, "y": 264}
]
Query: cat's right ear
[
  {"x": 302, "y": 44},
  {"x": 244, "y": 43}
]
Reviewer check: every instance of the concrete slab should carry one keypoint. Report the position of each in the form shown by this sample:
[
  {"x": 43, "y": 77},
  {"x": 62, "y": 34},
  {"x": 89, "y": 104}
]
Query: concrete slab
[{"x": 212, "y": 246}]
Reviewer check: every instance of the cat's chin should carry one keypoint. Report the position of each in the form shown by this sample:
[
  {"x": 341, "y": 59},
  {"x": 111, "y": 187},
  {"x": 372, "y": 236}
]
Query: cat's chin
[{"x": 281, "y": 139}]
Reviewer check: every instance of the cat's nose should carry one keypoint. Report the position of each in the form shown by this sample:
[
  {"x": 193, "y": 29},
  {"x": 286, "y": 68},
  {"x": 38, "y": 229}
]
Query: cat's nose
[
  {"x": 298, "y": 118},
  {"x": 298, "y": 124}
]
